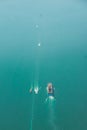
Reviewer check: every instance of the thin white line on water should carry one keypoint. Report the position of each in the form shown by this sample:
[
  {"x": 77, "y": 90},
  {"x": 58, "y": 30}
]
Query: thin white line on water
[{"x": 32, "y": 113}]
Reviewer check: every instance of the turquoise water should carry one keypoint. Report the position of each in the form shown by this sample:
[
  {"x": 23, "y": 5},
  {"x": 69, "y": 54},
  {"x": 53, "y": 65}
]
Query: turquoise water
[{"x": 61, "y": 29}]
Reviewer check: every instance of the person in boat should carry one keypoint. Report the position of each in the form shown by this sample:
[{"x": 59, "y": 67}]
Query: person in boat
[
  {"x": 50, "y": 89},
  {"x": 36, "y": 90},
  {"x": 31, "y": 90}
]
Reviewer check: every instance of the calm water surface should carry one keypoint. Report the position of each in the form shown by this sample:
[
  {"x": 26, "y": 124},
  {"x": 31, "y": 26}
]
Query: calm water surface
[{"x": 60, "y": 28}]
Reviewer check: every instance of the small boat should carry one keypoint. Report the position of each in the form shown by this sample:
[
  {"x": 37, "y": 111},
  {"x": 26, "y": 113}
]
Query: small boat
[{"x": 50, "y": 90}]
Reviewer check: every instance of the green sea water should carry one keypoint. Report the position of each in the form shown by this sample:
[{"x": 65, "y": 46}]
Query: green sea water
[{"x": 60, "y": 28}]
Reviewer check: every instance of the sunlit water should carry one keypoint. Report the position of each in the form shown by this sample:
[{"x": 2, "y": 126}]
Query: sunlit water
[{"x": 40, "y": 42}]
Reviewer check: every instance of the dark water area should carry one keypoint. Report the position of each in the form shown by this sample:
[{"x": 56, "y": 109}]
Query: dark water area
[{"x": 41, "y": 42}]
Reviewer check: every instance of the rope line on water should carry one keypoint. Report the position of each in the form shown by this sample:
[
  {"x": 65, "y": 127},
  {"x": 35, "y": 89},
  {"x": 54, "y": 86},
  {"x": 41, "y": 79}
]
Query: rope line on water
[
  {"x": 32, "y": 113},
  {"x": 36, "y": 73}
]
